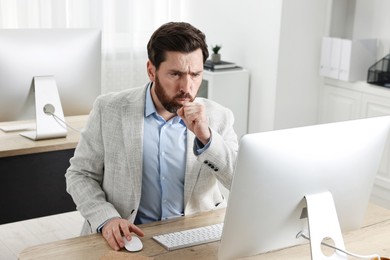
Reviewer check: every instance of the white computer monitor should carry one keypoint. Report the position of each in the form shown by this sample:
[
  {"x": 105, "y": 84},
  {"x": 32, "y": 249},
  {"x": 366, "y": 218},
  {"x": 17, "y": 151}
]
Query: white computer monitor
[
  {"x": 275, "y": 171},
  {"x": 72, "y": 57}
]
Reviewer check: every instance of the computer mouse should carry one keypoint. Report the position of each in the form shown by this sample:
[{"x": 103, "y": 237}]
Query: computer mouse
[{"x": 133, "y": 245}]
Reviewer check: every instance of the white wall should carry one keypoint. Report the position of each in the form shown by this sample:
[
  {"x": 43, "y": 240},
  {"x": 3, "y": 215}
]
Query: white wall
[
  {"x": 303, "y": 26},
  {"x": 372, "y": 20},
  {"x": 274, "y": 40}
]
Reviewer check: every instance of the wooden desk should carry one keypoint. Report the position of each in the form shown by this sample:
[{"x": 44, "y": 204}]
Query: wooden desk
[
  {"x": 32, "y": 173},
  {"x": 12, "y": 143},
  {"x": 373, "y": 237}
]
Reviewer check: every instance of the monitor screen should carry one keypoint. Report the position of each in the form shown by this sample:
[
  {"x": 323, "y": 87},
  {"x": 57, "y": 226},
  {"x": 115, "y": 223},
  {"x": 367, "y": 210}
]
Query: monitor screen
[
  {"x": 71, "y": 56},
  {"x": 275, "y": 171}
]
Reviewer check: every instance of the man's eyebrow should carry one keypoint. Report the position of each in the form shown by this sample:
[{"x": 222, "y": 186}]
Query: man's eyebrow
[
  {"x": 176, "y": 71},
  {"x": 196, "y": 71},
  {"x": 183, "y": 72}
]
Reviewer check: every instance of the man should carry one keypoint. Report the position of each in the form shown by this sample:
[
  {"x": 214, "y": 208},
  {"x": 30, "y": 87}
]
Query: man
[{"x": 154, "y": 152}]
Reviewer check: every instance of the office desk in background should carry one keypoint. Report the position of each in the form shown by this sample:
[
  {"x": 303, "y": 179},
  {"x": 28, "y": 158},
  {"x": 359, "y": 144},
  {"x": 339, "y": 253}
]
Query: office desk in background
[
  {"x": 32, "y": 173},
  {"x": 373, "y": 237}
]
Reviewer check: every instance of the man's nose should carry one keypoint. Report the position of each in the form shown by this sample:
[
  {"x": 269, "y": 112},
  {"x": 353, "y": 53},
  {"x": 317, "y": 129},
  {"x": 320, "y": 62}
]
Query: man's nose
[{"x": 186, "y": 83}]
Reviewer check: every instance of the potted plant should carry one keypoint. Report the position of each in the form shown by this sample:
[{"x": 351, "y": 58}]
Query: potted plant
[{"x": 215, "y": 56}]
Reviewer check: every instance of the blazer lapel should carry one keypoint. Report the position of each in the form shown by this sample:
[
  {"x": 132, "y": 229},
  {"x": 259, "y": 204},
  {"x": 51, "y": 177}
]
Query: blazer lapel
[{"x": 132, "y": 124}]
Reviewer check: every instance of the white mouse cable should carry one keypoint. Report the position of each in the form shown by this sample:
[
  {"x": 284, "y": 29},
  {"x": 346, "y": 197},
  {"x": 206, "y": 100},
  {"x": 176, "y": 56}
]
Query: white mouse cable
[
  {"x": 62, "y": 122},
  {"x": 375, "y": 256}
]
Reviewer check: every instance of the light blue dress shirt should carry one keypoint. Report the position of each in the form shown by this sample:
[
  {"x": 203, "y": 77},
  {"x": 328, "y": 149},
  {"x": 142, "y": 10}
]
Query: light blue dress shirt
[
  {"x": 164, "y": 164},
  {"x": 164, "y": 159}
]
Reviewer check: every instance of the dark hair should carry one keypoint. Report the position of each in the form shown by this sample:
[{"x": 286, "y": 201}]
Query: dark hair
[{"x": 175, "y": 36}]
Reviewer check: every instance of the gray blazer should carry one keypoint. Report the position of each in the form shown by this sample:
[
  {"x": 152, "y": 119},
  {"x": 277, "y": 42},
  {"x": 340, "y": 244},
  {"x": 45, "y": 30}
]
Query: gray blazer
[{"x": 105, "y": 174}]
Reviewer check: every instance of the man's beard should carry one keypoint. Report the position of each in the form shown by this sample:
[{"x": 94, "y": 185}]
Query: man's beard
[{"x": 170, "y": 104}]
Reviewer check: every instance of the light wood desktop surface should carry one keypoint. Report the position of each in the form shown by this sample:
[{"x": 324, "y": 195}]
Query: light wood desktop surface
[
  {"x": 13, "y": 144},
  {"x": 373, "y": 237}
]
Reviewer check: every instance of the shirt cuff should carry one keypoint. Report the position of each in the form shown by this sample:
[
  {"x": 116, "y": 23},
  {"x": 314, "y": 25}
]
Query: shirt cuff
[
  {"x": 100, "y": 227},
  {"x": 199, "y": 148}
]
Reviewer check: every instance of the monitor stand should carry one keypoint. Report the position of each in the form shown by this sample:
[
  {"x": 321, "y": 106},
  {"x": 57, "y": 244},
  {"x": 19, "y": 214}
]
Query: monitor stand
[
  {"x": 324, "y": 224},
  {"x": 48, "y": 110}
]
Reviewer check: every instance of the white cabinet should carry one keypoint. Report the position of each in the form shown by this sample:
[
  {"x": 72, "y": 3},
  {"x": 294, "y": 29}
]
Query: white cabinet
[
  {"x": 339, "y": 104},
  {"x": 342, "y": 101},
  {"x": 229, "y": 88}
]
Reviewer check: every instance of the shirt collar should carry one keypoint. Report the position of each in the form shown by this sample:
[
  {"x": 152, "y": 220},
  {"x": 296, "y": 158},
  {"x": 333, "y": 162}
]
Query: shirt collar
[{"x": 149, "y": 106}]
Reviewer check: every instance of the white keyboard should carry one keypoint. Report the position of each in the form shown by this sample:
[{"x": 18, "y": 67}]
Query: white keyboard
[
  {"x": 190, "y": 237},
  {"x": 17, "y": 127}
]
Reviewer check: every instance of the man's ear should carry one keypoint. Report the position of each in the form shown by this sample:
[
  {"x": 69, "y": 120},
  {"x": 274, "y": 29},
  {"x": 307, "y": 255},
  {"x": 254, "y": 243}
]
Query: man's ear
[{"x": 151, "y": 69}]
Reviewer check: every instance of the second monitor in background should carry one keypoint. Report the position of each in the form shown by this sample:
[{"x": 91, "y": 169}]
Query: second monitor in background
[{"x": 71, "y": 56}]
